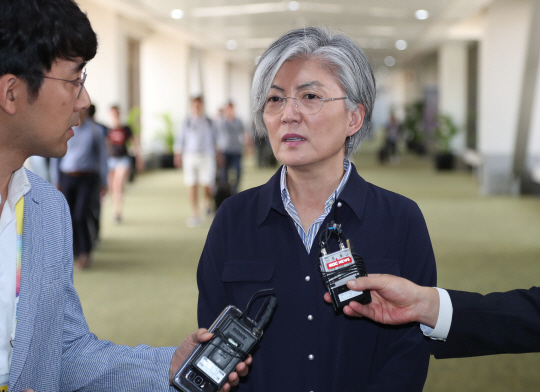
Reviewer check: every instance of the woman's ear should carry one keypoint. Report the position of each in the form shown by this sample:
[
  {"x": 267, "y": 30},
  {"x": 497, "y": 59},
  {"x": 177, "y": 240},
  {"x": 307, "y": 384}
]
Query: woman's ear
[{"x": 356, "y": 119}]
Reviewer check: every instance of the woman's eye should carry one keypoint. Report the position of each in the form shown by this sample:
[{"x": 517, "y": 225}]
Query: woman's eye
[
  {"x": 274, "y": 99},
  {"x": 310, "y": 96}
]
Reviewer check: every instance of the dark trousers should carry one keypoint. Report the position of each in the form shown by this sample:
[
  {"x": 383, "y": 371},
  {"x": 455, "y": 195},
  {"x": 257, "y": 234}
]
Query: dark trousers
[
  {"x": 80, "y": 192},
  {"x": 234, "y": 162}
]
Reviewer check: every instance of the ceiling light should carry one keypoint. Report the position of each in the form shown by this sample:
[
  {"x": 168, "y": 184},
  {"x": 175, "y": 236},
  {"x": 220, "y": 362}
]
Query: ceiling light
[
  {"x": 177, "y": 14},
  {"x": 421, "y": 14},
  {"x": 389, "y": 61},
  {"x": 401, "y": 44},
  {"x": 232, "y": 44},
  {"x": 294, "y": 5}
]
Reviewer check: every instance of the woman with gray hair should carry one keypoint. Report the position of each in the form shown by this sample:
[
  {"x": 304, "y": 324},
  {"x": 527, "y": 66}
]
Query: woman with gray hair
[{"x": 313, "y": 94}]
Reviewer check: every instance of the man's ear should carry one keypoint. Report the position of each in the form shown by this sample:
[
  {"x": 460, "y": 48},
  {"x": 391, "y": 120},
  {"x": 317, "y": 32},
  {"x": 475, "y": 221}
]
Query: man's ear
[
  {"x": 356, "y": 119},
  {"x": 10, "y": 86}
]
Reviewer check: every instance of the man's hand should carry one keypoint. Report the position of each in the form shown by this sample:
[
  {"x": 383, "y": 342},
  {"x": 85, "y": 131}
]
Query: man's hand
[
  {"x": 189, "y": 343},
  {"x": 394, "y": 301}
]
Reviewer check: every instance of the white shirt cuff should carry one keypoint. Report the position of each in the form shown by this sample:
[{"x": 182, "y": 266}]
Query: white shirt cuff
[{"x": 444, "y": 320}]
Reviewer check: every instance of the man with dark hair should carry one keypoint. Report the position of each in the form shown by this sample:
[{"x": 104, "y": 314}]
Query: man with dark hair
[
  {"x": 231, "y": 141},
  {"x": 45, "y": 343}
]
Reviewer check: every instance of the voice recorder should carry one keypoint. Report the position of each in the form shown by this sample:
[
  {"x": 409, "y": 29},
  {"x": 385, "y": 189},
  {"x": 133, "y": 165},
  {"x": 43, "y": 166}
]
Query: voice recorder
[
  {"x": 208, "y": 366},
  {"x": 339, "y": 267}
]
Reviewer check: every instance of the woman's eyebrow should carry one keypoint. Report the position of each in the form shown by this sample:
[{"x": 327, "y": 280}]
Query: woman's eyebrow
[
  {"x": 277, "y": 88},
  {"x": 314, "y": 83}
]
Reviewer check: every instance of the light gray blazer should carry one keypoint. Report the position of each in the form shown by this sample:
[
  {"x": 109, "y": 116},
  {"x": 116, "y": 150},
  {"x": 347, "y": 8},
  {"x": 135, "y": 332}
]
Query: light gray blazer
[{"x": 54, "y": 349}]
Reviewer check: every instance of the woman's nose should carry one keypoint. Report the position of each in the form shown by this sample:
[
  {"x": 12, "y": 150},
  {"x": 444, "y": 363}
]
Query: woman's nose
[{"x": 291, "y": 109}]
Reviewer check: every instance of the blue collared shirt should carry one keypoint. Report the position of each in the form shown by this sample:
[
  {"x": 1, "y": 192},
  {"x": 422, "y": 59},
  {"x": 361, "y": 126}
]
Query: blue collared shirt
[
  {"x": 86, "y": 153},
  {"x": 309, "y": 236}
]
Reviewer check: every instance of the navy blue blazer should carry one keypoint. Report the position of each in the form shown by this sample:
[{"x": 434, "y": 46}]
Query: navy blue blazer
[
  {"x": 54, "y": 350},
  {"x": 496, "y": 323},
  {"x": 253, "y": 244}
]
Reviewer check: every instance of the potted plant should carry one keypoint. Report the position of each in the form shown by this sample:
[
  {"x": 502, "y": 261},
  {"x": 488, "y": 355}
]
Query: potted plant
[
  {"x": 444, "y": 133},
  {"x": 414, "y": 129},
  {"x": 166, "y": 135},
  {"x": 134, "y": 122}
]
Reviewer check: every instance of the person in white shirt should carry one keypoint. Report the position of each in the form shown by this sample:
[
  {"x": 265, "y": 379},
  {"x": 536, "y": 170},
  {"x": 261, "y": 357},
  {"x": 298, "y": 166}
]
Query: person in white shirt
[
  {"x": 195, "y": 151},
  {"x": 459, "y": 323}
]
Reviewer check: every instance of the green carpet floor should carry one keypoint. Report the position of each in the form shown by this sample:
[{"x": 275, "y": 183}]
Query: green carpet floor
[{"x": 141, "y": 287}]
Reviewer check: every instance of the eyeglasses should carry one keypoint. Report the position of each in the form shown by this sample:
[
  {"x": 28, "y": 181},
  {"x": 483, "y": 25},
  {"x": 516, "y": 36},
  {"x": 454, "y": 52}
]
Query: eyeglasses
[
  {"x": 306, "y": 104},
  {"x": 79, "y": 82}
]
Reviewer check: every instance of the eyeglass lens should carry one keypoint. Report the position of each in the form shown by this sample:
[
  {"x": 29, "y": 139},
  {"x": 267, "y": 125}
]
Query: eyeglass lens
[
  {"x": 83, "y": 79},
  {"x": 306, "y": 104}
]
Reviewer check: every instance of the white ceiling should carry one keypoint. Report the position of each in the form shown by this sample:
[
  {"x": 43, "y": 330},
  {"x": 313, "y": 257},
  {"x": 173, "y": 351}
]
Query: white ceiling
[{"x": 375, "y": 24}]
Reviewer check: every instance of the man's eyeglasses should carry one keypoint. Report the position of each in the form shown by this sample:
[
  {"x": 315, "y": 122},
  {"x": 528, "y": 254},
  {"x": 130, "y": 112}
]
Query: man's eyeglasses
[
  {"x": 79, "y": 82},
  {"x": 306, "y": 104}
]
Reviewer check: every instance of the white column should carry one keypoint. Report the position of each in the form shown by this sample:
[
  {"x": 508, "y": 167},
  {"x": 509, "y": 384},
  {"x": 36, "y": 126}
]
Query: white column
[
  {"x": 502, "y": 60},
  {"x": 452, "y": 81}
]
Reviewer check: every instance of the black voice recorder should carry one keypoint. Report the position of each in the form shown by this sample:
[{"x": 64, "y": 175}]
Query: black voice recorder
[
  {"x": 208, "y": 366},
  {"x": 339, "y": 267}
]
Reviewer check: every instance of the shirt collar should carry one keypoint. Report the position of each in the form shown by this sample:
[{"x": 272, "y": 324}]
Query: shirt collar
[
  {"x": 353, "y": 193},
  {"x": 19, "y": 185}
]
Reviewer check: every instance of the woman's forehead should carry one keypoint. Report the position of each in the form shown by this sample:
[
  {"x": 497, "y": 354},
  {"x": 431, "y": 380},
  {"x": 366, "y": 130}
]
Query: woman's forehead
[{"x": 303, "y": 73}]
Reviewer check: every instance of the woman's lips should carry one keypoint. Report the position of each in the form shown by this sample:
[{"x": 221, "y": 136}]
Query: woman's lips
[{"x": 292, "y": 138}]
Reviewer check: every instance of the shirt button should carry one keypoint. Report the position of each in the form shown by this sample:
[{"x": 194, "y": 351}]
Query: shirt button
[
  {"x": 311, "y": 357},
  {"x": 339, "y": 204},
  {"x": 310, "y": 317},
  {"x": 307, "y": 278}
]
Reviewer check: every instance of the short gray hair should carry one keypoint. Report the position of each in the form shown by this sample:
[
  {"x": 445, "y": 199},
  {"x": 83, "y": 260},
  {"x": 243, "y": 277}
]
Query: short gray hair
[{"x": 336, "y": 51}]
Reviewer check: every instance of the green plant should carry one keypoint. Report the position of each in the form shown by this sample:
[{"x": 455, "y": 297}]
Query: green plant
[
  {"x": 134, "y": 120},
  {"x": 445, "y": 132},
  {"x": 413, "y": 122},
  {"x": 166, "y": 135}
]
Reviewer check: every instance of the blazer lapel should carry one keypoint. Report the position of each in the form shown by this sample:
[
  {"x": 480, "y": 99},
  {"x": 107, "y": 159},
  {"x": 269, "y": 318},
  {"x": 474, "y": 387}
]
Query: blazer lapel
[{"x": 31, "y": 266}]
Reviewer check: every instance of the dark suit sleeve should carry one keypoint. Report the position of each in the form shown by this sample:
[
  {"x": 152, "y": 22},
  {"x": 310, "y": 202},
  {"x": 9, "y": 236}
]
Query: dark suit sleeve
[{"x": 496, "y": 323}]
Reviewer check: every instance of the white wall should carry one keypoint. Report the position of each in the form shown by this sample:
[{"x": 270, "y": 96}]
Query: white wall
[
  {"x": 239, "y": 91},
  {"x": 214, "y": 81},
  {"x": 106, "y": 78},
  {"x": 163, "y": 86}
]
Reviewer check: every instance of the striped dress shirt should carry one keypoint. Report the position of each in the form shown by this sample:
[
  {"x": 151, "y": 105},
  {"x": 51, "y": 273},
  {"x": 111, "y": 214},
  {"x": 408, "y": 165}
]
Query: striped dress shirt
[{"x": 309, "y": 236}]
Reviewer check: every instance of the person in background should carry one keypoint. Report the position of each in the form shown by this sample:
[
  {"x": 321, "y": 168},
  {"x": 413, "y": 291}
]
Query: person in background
[
  {"x": 231, "y": 141},
  {"x": 195, "y": 151},
  {"x": 118, "y": 138},
  {"x": 81, "y": 175},
  {"x": 95, "y": 204},
  {"x": 45, "y": 342}
]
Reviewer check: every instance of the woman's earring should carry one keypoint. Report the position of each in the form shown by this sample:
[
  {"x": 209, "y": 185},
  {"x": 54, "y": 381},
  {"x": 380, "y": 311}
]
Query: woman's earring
[{"x": 349, "y": 142}]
